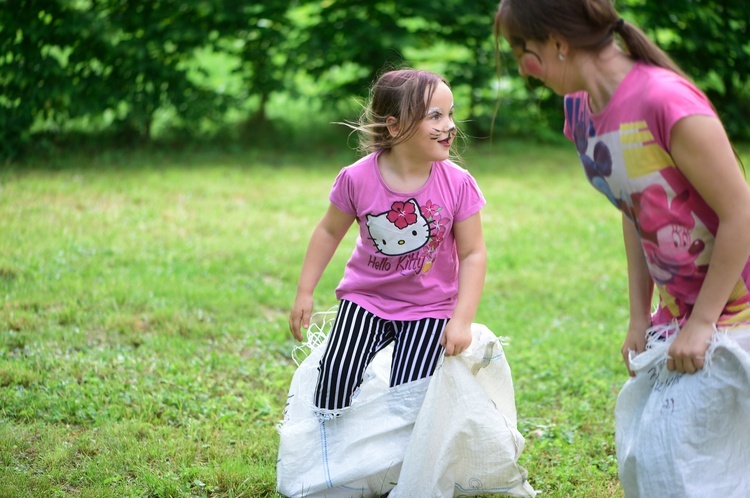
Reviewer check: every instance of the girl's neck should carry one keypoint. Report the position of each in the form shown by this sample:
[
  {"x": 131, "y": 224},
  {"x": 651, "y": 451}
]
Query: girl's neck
[
  {"x": 602, "y": 74},
  {"x": 401, "y": 172}
]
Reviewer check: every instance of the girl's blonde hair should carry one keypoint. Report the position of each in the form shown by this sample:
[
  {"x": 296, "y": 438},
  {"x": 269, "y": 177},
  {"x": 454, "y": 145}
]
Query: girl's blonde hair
[{"x": 403, "y": 94}]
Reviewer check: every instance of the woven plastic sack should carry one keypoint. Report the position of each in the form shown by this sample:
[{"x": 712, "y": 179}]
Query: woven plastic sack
[
  {"x": 357, "y": 453},
  {"x": 465, "y": 441},
  {"x": 687, "y": 435}
]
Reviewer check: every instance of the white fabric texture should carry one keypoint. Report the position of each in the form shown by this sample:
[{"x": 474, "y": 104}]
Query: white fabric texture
[
  {"x": 465, "y": 441},
  {"x": 687, "y": 435},
  {"x": 359, "y": 451},
  {"x": 355, "y": 452}
]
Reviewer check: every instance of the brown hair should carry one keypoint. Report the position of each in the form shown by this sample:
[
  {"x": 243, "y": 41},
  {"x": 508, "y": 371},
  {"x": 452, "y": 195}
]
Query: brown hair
[
  {"x": 586, "y": 25},
  {"x": 403, "y": 94}
]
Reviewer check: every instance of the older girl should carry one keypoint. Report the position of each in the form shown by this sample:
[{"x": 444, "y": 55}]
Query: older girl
[{"x": 651, "y": 142}]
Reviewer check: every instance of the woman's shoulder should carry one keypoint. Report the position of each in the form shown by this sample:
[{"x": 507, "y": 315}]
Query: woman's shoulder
[
  {"x": 660, "y": 85},
  {"x": 672, "y": 96}
]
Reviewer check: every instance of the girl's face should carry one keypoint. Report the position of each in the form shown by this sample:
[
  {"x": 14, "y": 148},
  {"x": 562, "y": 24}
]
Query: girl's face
[{"x": 436, "y": 132}]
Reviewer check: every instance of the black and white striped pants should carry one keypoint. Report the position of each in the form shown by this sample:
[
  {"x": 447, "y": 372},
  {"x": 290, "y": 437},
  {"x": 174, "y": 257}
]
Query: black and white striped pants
[{"x": 357, "y": 336}]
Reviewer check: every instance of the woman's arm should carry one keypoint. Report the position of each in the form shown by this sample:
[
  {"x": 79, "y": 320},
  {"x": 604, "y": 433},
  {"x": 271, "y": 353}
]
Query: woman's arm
[
  {"x": 702, "y": 151},
  {"x": 472, "y": 257},
  {"x": 640, "y": 292},
  {"x": 323, "y": 243}
]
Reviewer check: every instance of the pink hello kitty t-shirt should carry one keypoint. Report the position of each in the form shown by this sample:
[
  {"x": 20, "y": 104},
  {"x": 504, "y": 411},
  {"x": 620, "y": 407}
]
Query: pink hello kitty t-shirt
[
  {"x": 404, "y": 265},
  {"x": 626, "y": 156}
]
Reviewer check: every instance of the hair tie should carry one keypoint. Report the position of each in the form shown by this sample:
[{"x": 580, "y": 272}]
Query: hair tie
[{"x": 618, "y": 25}]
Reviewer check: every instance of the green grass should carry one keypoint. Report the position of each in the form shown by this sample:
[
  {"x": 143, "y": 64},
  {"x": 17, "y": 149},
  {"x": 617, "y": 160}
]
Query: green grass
[{"x": 143, "y": 341}]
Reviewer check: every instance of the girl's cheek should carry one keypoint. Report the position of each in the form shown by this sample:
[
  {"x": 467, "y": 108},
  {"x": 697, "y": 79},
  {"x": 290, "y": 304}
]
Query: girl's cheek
[{"x": 531, "y": 66}]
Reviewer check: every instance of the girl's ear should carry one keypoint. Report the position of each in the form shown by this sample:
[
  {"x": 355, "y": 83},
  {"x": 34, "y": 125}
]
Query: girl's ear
[
  {"x": 561, "y": 46},
  {"x": 392, "y": 123}
]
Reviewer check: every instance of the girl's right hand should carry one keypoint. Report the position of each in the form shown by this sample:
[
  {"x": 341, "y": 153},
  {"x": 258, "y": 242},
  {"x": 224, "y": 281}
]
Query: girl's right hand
[
  {"x": 300, "y": 315},
  {"x": 323, "y": 243},
  {"x": 635, "y": 341},
  {"x": 456, "y": 337}
]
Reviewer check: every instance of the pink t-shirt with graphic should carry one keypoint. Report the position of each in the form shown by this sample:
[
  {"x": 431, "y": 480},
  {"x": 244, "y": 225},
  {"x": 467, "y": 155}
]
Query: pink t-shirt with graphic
[
  {"x": 625, "y": 151},
  {"x": 404, "y": 265}
]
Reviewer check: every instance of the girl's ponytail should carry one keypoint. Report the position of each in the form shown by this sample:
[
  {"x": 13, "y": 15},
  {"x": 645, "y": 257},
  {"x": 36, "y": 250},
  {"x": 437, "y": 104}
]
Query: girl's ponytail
[{"x": 640, "y": 47}]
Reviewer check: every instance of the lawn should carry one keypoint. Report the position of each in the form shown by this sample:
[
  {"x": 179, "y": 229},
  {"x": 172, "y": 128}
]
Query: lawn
[{"x": 144, "y": 349}]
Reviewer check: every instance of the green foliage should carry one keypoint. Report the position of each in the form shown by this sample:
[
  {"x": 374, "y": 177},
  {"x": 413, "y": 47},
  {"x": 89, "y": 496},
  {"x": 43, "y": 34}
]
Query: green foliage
[
  {"x": 177, "y": 70},
  {"x": 349, "y": 31},
  {"x": 148, "y": 46},
  {"x": 258, "y": 34},
  {"x": 32, "y": 72},
  {"x": 103, "y": 64}
]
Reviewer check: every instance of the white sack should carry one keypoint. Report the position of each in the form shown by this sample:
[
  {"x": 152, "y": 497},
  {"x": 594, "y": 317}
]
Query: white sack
[
  {"x": 357, "y": 454},
  {"x": 465, "y": 441},
  {"x": 687, "y": 435},
  {"x": 467, "y": 426}
]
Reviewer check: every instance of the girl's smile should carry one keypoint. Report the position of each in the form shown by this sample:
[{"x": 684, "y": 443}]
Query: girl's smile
[
  {"x": 439, "y": 118},
  {"x": 446, "y": 142}
]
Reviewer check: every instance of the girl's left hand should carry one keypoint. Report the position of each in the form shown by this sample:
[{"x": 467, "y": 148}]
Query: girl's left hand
[
  {"x": 687, "y": 354},
  {"x": 456, "y": 338}
]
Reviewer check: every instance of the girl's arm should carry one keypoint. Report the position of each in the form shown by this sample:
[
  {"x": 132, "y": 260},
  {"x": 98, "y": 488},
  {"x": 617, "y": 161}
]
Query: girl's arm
[
  {"x": 703, "y": 153},
  {"x": 472, "y": 260},
  {"x": 640, "y": 292},
  {"x": 323, "y": 243}
]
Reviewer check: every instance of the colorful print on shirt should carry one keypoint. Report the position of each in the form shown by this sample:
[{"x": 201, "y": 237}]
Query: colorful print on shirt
[
  {"x": 404, "y": 265},
  {"x": 624, "y": 153},
  {"x": 411, "y": 232}
]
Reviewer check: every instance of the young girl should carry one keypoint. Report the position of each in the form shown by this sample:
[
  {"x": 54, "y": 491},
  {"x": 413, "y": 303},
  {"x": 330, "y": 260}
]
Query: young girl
[
  {"x": 651, "y": 142},
  {"x": 417, "y": 271}
]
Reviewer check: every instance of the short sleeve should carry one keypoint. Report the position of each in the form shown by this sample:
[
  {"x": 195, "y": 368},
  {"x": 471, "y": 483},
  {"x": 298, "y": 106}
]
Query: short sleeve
[
  {"x": 471, "y": 199},
  {"x": 674, "y": 101},
  {"x": 342, "y": 192}
]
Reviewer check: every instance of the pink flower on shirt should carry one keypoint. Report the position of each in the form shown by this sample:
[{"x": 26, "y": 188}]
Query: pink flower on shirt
[
  {"x": 430, "y": 209},
  {"x": 441, "y": 228},
  {"x": 402, "y": 214}
]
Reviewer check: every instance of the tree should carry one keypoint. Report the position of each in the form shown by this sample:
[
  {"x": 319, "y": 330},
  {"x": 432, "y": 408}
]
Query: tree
[
  {"x": 118, "y": 64},
  {"x": 453, "y": 38},
  {"x": 349, "y": 32},
  {"x": 69, "y": 59},
  {"x": 149, "y": 45},
  {"x": 36, "y": 39},
  {"x": 257, "y": 33}
]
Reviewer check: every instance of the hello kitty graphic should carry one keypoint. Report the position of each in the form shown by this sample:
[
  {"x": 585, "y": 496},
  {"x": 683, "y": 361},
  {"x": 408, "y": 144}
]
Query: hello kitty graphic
[
  {"x": 401, "y": 230},
  {"x": 411, "y": 233}
]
